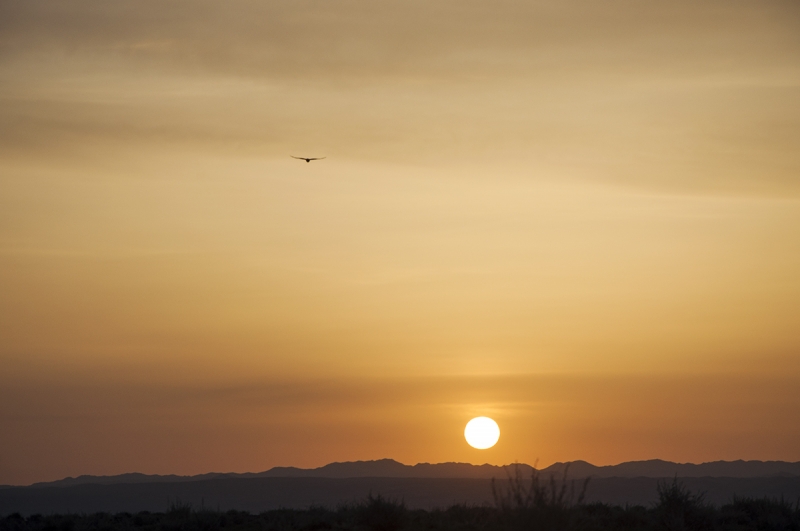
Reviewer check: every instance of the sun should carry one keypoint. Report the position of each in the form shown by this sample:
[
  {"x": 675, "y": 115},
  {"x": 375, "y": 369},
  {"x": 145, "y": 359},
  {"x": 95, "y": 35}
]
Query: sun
[{"x": 482, "y": 433}]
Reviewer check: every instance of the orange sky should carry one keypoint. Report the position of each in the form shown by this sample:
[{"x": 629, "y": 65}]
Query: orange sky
[{"x": 582, "y": 220}]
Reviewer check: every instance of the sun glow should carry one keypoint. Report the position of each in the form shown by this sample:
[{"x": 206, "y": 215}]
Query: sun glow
[{"x": 482, "y": 433}]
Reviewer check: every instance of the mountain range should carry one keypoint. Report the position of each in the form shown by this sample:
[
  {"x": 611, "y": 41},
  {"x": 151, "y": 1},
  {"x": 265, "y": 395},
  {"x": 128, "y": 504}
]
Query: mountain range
[
  {"x": 422, "y": 486},
  {"x": 389, "y": 468}
]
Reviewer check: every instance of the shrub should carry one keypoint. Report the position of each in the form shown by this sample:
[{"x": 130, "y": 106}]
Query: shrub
[
  {"x": 679, "y": 509},
  {"x": 381, "y": 514},
  {"x": 538, "y": 504}
]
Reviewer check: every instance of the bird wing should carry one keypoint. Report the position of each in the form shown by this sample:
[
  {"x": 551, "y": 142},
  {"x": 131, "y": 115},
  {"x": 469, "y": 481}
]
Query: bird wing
[
  {"x": 298, "y": 158},
  {"x": 318, "y": 158}
]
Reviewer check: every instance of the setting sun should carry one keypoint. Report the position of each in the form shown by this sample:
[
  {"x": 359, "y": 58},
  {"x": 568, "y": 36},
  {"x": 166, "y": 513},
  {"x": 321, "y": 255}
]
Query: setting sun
[{"x": 482, "y": 433}]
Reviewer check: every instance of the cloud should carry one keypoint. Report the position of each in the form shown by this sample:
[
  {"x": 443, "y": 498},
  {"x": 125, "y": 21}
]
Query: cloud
[{"x": 674, "y": 97}]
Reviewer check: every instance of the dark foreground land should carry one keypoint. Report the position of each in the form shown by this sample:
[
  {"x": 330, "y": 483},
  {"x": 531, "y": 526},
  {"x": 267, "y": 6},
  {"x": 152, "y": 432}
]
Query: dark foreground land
[
  {"x": 257, "y": 495},
  {"x": 517, "y": 506}
]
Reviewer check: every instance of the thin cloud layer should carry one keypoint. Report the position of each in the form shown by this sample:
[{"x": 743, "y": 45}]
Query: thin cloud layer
[{"x": 675, "y": 97}]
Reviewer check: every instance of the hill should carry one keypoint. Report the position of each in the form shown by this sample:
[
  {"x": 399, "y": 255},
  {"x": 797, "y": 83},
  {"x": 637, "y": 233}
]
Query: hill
[{"x": 389, "y": 468}]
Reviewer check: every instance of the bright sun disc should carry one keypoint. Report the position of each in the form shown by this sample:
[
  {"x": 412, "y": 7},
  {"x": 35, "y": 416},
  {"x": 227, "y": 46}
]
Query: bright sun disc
[{"x": 482, "y": 433}]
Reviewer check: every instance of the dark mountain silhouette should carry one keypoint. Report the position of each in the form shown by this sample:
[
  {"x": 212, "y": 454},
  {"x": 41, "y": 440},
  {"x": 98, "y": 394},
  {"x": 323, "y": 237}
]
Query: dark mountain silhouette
[
  {"x": 389, "y": 468},
  {"x": 424, "y": 485},
  {"x": 656, "y": 468}
]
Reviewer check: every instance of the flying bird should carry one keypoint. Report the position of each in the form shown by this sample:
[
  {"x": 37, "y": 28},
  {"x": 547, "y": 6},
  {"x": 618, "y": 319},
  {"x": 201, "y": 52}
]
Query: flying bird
[{"x": 307, "y": 159}]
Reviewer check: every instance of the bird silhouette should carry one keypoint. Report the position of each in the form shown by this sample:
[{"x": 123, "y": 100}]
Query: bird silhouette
[{"x": 307, "y": 159}]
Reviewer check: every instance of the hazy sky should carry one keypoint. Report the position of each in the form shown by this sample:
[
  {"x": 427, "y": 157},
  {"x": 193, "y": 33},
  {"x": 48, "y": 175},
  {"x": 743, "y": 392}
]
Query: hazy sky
[{"x": 579, "y": 218}]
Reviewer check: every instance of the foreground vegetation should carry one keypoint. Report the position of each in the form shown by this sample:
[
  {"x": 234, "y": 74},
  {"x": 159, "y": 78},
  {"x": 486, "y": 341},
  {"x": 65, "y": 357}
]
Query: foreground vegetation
[{"x": 519, "y": 505}]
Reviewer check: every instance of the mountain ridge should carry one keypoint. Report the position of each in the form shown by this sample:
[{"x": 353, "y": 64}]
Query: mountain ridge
[{"x": 389, "y": 468}]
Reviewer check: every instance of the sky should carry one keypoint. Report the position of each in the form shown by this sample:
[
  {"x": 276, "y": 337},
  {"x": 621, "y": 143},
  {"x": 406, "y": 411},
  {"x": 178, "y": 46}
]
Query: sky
[{"x": 581, "y": 219}]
